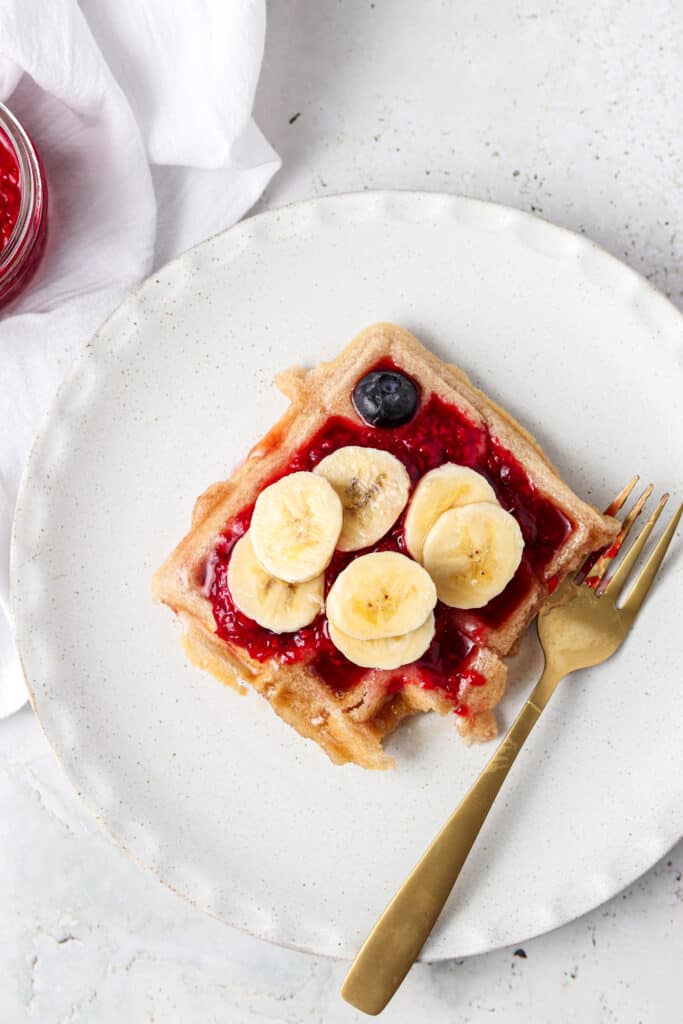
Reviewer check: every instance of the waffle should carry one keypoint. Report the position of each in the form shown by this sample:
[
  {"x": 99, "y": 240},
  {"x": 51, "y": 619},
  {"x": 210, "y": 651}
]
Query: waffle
[{"x": 351, "y": 723}]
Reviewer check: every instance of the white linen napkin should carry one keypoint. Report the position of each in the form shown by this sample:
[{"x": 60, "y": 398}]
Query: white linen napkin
[{"x": 142, "y": 115}]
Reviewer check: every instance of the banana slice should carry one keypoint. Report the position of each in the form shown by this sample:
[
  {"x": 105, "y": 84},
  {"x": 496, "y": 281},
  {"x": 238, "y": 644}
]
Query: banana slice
[
  {"x": 472, "y": 553},
  {"x": 295, "y": 527},
  {"x": 391, "y": 652},
  {"x": 448, "y": 486},
  {"x": 373, "y": 487},
  {"x": 275, "y": 605},
  {"x": 383, "y": 594}
]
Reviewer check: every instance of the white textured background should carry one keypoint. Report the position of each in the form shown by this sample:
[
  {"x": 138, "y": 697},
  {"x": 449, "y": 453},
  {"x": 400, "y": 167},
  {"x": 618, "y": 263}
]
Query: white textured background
[{"x": 572, "y": 110}]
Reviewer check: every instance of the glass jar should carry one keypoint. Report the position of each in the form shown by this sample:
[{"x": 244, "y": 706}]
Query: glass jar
[{"x": 23, "y": 207}]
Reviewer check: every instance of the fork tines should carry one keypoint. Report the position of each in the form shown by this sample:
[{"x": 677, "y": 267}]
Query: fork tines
[{"x": 594, "y": 571}]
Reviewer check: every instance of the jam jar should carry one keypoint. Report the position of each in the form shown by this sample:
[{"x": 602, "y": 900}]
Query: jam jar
[{"x": 23, "y": 207}]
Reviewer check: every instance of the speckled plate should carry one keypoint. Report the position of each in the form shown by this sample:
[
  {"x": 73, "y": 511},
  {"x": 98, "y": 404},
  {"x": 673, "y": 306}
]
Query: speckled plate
[{"x": 213, "y": 792}]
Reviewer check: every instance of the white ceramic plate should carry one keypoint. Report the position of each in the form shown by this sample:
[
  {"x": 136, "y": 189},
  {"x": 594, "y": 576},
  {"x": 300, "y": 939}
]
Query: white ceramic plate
[{"x": 215, "y": 794}]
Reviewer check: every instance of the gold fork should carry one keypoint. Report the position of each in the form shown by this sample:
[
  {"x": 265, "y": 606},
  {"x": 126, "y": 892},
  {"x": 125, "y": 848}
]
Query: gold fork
[{"x": 579, "y": 626}]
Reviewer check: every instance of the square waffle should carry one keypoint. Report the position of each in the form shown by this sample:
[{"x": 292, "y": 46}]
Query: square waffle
[{"x": 346, "y": 709}]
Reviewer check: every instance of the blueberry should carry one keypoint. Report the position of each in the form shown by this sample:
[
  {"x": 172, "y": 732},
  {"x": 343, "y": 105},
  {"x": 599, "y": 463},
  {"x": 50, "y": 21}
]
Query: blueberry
[{"x": 385, "y": 398}]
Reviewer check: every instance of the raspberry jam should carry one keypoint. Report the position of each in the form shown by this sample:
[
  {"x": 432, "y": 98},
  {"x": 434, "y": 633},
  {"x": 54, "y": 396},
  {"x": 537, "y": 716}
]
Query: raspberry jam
[
  {"x": 23, "y": 207},
  {"x": 438, "y": 433},
  {"x": 10, "y": 193}
]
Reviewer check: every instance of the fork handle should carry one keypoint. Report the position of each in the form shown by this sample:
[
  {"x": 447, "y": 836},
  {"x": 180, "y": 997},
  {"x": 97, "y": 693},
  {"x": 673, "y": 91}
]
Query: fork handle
[{"x": 394, "y": 943}]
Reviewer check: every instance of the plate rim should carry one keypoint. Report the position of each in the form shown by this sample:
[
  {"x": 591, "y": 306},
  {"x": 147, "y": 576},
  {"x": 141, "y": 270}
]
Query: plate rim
[{"x": 271, "y": 217}]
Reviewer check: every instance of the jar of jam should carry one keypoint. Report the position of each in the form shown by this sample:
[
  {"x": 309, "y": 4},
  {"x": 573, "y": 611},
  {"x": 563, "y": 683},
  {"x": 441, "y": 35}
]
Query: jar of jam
[{"x": 23, "y": 207}]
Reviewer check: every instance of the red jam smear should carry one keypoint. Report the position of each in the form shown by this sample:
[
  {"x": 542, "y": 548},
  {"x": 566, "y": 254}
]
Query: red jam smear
[
  {"x": 438, "y": 433},
  {"x": 10, "y": 190}
]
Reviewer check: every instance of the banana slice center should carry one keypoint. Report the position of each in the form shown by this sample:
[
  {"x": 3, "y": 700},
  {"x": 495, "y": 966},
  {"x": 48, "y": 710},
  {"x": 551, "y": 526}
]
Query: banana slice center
[
  {"x": 472, "y": 553},
  {"x": 359, "y": 495},
  {"x": 379, "y": 595},
  {"x": 373, "y": 486},
  {"x": 295, "y": 527}
]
